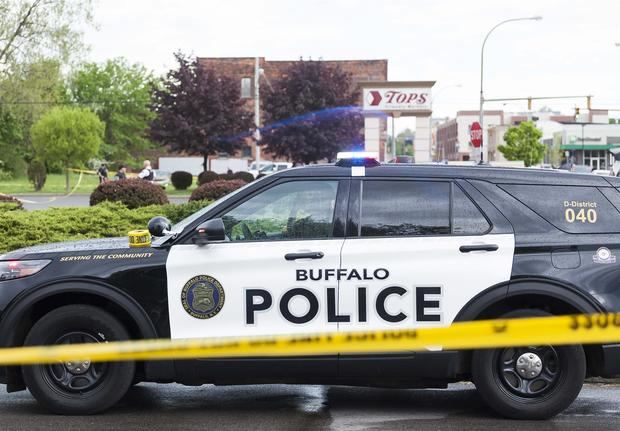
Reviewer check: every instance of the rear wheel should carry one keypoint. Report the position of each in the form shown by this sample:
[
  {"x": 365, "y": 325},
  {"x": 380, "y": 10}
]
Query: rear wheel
[
  {"x": 78, "y": 387},
  {"x": 530, "y": 382}
]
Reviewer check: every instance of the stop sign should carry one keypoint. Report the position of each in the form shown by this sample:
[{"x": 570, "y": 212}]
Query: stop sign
[{"x": 475, "y": 134}]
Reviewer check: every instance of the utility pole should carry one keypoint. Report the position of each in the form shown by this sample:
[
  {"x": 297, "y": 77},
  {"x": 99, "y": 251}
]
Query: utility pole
[
  {"x": 482, "y": 100},
  {"x": 257, "y": 110}
]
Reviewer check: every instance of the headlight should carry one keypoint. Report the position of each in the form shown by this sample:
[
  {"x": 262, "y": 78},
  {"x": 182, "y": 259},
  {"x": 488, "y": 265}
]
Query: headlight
[{"x": 11, "y": 269}]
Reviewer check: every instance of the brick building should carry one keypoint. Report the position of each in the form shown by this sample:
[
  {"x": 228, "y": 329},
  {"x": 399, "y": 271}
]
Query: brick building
[{"x": 242, "y": 70}]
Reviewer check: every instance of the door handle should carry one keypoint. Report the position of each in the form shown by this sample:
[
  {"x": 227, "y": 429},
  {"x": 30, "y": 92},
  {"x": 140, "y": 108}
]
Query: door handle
[
  {"x": 304, "y": 255},
  {"x": 478, "y": 247}
]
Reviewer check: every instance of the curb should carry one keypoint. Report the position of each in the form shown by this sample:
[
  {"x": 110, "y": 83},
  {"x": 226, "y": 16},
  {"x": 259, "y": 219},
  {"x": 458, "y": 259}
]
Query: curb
[{"x": 603, "y": 381}]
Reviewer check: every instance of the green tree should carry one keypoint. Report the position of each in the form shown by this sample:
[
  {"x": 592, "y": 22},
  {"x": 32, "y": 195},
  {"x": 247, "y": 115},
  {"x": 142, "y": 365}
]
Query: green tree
[
  {"x": 67, "y": 135},
  {"x": 120, "y": 94},
  {"x": 523, "y": 143},
  {"x": 405, "y": 141},
  {"x": 34, "y": 29},
  {"x": 11, "y": 160},
  {"x": 26, "y": 94}
]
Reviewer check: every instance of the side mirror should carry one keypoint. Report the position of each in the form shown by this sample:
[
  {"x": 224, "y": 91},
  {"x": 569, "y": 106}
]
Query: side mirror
[
  {"x": 158, "y": 226},
  {"x": 210, "y": 231}
]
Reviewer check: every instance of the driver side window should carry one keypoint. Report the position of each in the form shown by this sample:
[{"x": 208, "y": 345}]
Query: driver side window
[{"x": 291, "y": 210}]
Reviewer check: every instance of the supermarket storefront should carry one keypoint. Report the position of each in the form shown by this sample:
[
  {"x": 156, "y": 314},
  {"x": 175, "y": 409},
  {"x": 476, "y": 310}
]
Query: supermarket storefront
[{"x": 589, "y": 143}]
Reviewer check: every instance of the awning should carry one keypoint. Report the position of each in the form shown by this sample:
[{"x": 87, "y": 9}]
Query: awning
[{"x": 588, "y": 147}]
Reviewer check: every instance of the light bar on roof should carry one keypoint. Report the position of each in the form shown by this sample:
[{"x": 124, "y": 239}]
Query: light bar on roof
[
  {"x": 357, "y": 158},
  {"x": 357, "y": 155}
]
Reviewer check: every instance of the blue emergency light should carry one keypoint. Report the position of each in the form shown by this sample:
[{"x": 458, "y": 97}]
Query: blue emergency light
[{"x": 357, "y": 158}]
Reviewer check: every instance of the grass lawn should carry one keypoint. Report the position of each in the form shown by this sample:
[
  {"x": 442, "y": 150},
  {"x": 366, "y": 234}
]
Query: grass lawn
[
  {"x": 174, "y": 192},
  {"x": 55, "y": 183}
]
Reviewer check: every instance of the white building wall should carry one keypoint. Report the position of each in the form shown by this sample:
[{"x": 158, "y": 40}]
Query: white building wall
[
  {"x": 372, "y": 134},
  {"x": 422, "y": 143}
]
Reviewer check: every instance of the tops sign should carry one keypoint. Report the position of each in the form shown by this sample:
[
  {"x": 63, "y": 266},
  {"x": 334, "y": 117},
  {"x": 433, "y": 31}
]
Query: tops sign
[{"x": 397, "y": 99}]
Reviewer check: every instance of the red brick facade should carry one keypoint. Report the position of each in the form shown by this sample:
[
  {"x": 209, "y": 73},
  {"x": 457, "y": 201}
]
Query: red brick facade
[{"x": 243, "y": 67}]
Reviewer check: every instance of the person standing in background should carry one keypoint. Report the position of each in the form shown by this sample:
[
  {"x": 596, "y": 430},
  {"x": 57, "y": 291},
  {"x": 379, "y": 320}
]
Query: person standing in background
[
  {"x": 102, "y": 172},
  {"x": 147, "y": 172},
  {"x": 121, "y": 174}
]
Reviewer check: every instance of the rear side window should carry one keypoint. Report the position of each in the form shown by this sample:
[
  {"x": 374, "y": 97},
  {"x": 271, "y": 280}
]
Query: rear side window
[
  {"x": 405, "y": 208},
  {"x": 466, "y": 217},
  {"x": 402, "y": 208},
  {"x": 568, "y": 208}
]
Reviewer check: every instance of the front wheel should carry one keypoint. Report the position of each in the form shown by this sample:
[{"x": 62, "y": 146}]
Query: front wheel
[
  {"x": 78, "y": 387},
  {"x": 530, "y": 382}
]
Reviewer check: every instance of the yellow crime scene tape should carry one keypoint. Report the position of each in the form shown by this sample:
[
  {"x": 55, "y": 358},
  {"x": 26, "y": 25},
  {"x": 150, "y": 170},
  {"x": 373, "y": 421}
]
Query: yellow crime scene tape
[
  {"x": 139, "y": 238},
  {"x": 561, "y": 330}
]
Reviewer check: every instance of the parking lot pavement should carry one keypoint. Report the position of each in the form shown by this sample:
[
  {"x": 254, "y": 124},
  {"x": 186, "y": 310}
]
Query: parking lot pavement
[
  {"x": 282, "y": 407},
  {"x": 39, "y": 202}
]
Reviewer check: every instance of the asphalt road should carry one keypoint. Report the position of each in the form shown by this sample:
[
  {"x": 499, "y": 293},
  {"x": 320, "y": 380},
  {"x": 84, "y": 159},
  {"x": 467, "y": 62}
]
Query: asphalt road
[
  {"x": 280, "y": 407},
  {"x": 39, "y": 202}
]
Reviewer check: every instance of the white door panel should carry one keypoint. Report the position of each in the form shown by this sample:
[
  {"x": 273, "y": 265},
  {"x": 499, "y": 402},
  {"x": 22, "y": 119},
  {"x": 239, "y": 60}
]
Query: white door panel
[
  {"x": 428, "y": 276},
  {"x": 239, "y": 266}
]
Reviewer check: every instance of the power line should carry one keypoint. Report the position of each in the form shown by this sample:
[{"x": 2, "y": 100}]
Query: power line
[{"x": 70, "y": 102}]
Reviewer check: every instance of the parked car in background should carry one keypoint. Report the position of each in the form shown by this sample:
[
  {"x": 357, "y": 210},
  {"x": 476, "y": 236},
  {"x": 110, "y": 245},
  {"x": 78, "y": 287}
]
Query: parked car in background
[
  {"x": 402, "y": 159},
  {"x": 275, "y": 167},
  {"x": 603, "y": 172},
  {"x": 255, "y": 170},
  {"x": 581, "y": 169},
  {"x": 545, "y": 166},
  {"x": 162, "y": 178}
]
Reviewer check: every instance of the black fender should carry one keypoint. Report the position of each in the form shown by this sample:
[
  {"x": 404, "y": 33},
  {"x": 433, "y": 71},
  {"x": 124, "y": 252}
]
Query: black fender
[
  {"x": 17, "y": 311},
  {"x": 498, "y": 297},
  {"x": 535, "y": 286}
]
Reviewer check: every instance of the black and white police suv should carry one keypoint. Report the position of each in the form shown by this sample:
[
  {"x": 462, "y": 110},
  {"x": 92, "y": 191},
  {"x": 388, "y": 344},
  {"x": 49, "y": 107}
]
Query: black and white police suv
[{"x": 351, "y": 246}]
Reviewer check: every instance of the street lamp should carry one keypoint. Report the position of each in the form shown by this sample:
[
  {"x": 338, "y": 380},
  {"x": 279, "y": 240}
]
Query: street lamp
[
  {"x": 258, "y": 72},
  {"x": 532, "y": 18}
]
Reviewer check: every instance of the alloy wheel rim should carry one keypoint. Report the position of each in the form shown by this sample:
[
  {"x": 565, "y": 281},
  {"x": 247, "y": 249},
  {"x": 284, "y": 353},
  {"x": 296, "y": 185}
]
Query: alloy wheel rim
[
  {"x": 79, "y": 375},
  {"x": 528, "y": 372}
]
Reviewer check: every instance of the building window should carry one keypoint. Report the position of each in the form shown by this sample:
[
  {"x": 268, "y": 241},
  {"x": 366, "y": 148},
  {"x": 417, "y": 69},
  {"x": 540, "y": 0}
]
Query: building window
[{"x": 246, "y": 88}]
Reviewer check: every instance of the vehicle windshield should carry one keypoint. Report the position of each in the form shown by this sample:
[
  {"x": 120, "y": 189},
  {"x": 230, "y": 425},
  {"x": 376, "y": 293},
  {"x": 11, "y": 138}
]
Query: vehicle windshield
[{"x": 180, "y": 226}]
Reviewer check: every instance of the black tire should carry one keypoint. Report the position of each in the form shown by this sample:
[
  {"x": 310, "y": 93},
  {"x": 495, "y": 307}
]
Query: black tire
[
  {"x": 541, "y": 397},
  {"x": 71, "y": 388}
]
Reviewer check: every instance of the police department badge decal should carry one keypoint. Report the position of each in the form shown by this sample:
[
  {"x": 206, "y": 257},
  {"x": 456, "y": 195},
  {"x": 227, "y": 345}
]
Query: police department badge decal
[
  {"x": 202, "y": 297},
  {"x": 604, "y": 255}
]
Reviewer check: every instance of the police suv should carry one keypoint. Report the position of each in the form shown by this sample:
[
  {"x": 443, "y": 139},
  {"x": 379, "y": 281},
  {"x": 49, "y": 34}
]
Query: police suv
[{"x": 326, "y": 248}]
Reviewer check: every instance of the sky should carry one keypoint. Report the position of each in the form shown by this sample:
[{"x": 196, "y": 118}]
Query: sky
[{"x": 571, "y": 51}]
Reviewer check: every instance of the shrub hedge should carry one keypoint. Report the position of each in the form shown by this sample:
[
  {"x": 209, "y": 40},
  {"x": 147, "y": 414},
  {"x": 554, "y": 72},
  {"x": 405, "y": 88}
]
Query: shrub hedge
[
  {"x": 227, "y": 176},
  {"x": 134, "y": 193},
  {"x": 109, "y": 219},
  {"x": 181, "y": 180},
  {"x": 9, "y": 203},
  {"x": 243, "y": 175},
  {"x": 216, "y": 189},
  {"x": 206, "y": 177}
]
